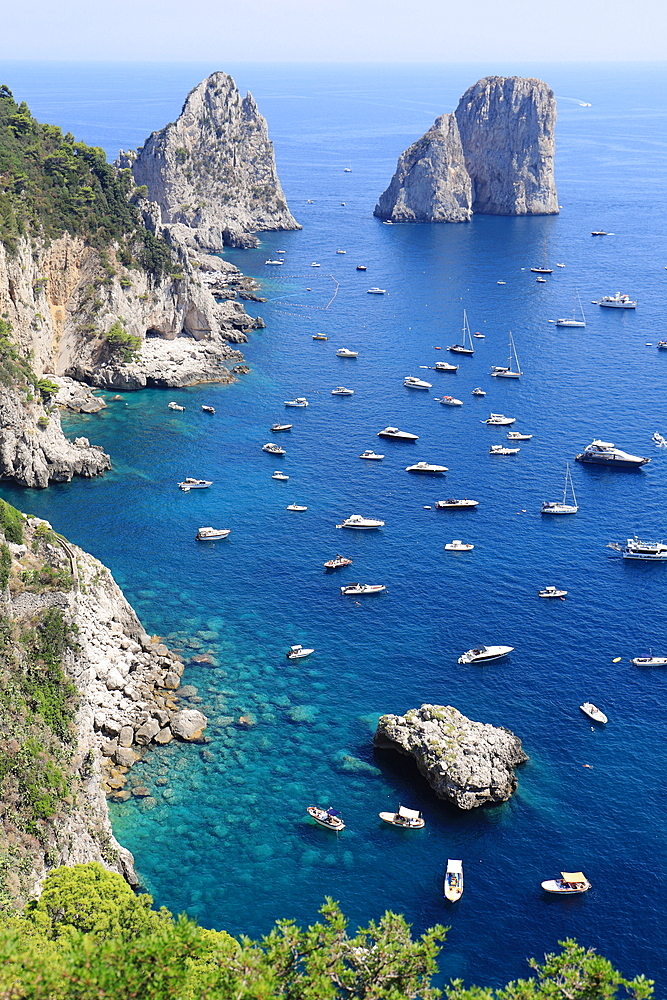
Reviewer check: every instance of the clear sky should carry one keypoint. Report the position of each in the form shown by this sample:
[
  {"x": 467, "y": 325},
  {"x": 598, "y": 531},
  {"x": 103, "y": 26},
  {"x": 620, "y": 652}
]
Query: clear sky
[{"x": 335, "y": 30}]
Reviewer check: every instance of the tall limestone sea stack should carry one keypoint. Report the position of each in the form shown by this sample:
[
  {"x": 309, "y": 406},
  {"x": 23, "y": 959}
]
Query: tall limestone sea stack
[
  {"x": 493, "y": 156},
  {"x": 213, "y": 172}
]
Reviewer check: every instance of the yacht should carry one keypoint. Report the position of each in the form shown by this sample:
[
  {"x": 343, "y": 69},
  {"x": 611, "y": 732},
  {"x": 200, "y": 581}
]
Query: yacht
[
  {"x": 212, "y": 534},
  {"x": 562, "y": 506},
  {"x": 371, "y": 456},
  {"x": 589, "y": 709},
  {"x": 298, "y": 652},
  {"x": 458, "y": 546},
  {"x": 599, "y": 232},
  {"x": 361, "y": 267},
  {"x": 412, "y": 382},
  {"x": 456, "y": 504},
  {"x": 453, "y": 887},
  {"x": 500, "y": 449},
  {"x": 343, "y": 352},
  {"x": 444, "y": 366},
  {"x": 280, "y": 476},
  {"x": 466, "y": 347},
  {"x": 208, "y": 409},
  {"x": 542, "y": 281},
  {"x": 617, "y": 301},
  {"x": 635, "y": 548},
  {"x": 552, "y": 592},
  {"x": 320, "y": 336},
  {"x": 518, "y": 436},
  {"x": 337, "y": 562},
  {"x": 195, "y": 484},
  {"x": 659, "y": 440},
  {"x": 315, "y": 264},
  {"x": 570, "y": 883},
  {"x": 342, "y": 391},
  {"x": 360, "y": 523},
  {"x": 485, "y": 654},
  {"x": 377, "y": 291},
  {"x": 278, "y": 428},
  {"x": 649, "y": 661},
  {"x": 512, "y": 369},
  {"x": 295, "y": 506},
  {"x": 478, "y": 392},
  {"x": 542, "y": 270},
  {"x": 342, "y": 251},
  {"x": 273, "y": 449},
  {"x": 480, "y": 336},
  {"x": 396, "y": 435},
  {"x": 661, "y": 345},
  {"x": 175, "y": 406},
  {"x": 499, "y": 420},
  {"x": 450, "y": 401},
  {"x": 354, "y": 589},
  {"x": 276, "y": 263},
  {"x": 426, "y": 469},
  {"x": 574, "y": 321},
  {"x": 299, "y": 401},
  {"x": 605, "y": 453},
  {"x": 409, "y": 819},
  {"x": 328, "y": 818}
]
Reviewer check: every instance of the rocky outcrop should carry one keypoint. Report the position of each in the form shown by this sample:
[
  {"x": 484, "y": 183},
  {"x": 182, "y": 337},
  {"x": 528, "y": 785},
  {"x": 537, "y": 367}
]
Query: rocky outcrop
[
  {"x": 470, "y": 763},
  {"x": 494, "y": 155},
  {"x": 507, "y": 133},
  {"x": 212, "y": 173},
  {"x": 431, "y": 183}
]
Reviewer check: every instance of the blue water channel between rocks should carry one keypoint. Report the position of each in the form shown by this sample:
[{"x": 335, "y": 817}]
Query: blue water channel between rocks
[{"x": 229, "y": 841}]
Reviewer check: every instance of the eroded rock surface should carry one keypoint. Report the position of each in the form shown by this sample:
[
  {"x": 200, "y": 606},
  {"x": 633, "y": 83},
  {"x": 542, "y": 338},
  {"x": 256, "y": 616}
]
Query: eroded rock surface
[{"x": 470, "y": 763}]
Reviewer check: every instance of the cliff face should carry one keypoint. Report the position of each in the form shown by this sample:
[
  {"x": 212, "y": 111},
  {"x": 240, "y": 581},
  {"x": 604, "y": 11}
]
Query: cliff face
[
  {"x": 431, "y": 183},
  {"x": 494, "y": 155},
  {"x": 212, "y": 172},
  {"x": 507, "y": 132}
]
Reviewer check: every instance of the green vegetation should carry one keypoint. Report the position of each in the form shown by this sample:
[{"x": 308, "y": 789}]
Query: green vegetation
[
  {"x": 90, "y": 937},
  {"x": 51, "y": 184},
  {"x": 11, "y": 522},
  {"x": 14, "y": 369},
  {"x": 125, "y": 343}
]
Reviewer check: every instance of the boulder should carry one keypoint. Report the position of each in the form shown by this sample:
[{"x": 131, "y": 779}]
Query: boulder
[
  {"x": 126, "y": 737},
  {"x": 163, "y": 737},
  {"x": 125, "y": 757},
  {"x": 172, "y": 680},
  {"x": 188, "y": 724},
  {"x": 147, "y": 732},
  {"x": 115, "y": 680},
  {"x": 469, "y": 763}
]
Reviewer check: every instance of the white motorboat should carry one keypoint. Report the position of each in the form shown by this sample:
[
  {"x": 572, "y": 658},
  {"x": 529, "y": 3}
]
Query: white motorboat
[
  {"x": 598, "y": 232},
  {"x": 281, "y": 476},
  {"x": 354, "y": 589},
  {"x": 570, "y": 883},
  {"x": 412, "y": 382},
  {"x": 347, "y": 171},
  {"x": 427, "y": 469},
  {"x": 589, "y": 709},
  {"x": 278, "y": 428},
  {"x": 298, "y": 652},
  {"x": 320, "y": 336},
  {"x": 466, "y": 347},
  {"x": 479, "y": 336},
  {"x": 542, "y": 281},
  {"x": 501, "y": 449},
  {"x": 499, "y": 420},
  {"x": 444, "y": 366},
  {"x": 276, "y": 263},
  {"x": 342, "y": 391},
  {"x": 343, "y": 352},
  {"x": 574, "y": 321},
  {"x": 562, "y": 506},
  {"x": 512, "y": 369},
  {"x": 478, "y": 392},
  {"x": 337, "y": 562},
  {"x": 662, "y": 345},
  {"x": 371, "y": 456},
  {"x": 485, "y": 654},
  {"x": 552, "y": 592},
  {"x": 377, "y": 291},
  {"x": 456, "y": 504},
  {"x": 458, "y": 546},
  {"x": 315, "y": 264},
  {"x": 396, "y": 435},
  {"x": 453, "y": 886},
  {"x": 360, "y": 523},
  {"x": 195, "y": 484},
  {"x": 361, "y": 267},
  {"x": 605, "y": 453},
  {"x": 299, "y": 401},
  {"x": 175, "y": 406},
  {"x": 518, "y": 436},
  {"x": 212, "y": 534},
  {"x": 617, "y": 301},
  {"x": 295, "y": 506},
  {"x": 659, "y": 440},
  {"x": 208, "y": 409},
  {"x": 327, "y": 818},
  {"x": 409, "y": 819},
  {"x": 450, "y": 401},
  {"x": 649, "y": 661},
  {"x": 635, "y": 548},
  {"x": 273, "y": 449}
]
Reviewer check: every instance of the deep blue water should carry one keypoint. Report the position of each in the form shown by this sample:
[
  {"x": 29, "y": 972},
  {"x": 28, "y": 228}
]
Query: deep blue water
[{"x": 230, "y": 843}]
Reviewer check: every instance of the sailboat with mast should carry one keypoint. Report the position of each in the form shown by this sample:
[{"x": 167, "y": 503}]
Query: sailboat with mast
[
  {"x": 466, "y": 347},
  {"x": 512, "y": 369},
  {"x": 562, "y": 507},
  {"x": 574, "y": 321},
  {"x": 543, "y": 269}
]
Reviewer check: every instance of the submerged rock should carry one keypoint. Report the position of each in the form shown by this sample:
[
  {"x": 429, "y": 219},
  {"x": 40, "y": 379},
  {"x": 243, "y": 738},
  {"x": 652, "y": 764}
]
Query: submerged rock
[{"x": 470, "y": 763}]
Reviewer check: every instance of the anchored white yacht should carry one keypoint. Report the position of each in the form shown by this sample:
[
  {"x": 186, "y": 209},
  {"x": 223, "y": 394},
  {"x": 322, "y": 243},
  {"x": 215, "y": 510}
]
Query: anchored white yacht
[
  {"x": 456, "y": 504},
  {"x": 212, "y": 534},
  {"x": 459, "y": 546},
  {"x": 342, "y": 391},
  {"x": 427, "y": 469},
  {"x": 299, "y": 401},
  {"x": 444, "y": 366},
  {"x": 273, "y": 449},
  {"x": 412, "y": 382},
  {"x": 195, "y": 484},
  {"x": 594, "y": 713},
  {"x": 552, "y": 592},
  {"x": 353, "y": 589},
  {"x": 518, "y": 436},
  {"x": 606, "y": 453},
  {"x": 499, "y": 420},
  {"x": 635, "y": 548},
  {"x": 450, "y": 401},
  {"x": 371, "y": 456},
  {"x": 501, "y": 449},
  {"x": 396, "y": 435},
  {"x": 360, "y": 523},
  {"x": 617, "y": 301},
  {"x": 343, "y": 352},
  {"x": 485, "y": 654}
]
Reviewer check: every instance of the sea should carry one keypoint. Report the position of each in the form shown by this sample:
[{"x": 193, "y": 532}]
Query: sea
[{"x": 224, "y": 835}]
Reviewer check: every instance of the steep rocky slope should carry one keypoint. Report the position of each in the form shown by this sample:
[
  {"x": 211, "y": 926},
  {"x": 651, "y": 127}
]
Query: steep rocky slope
[{"x": 212, "y": 172}]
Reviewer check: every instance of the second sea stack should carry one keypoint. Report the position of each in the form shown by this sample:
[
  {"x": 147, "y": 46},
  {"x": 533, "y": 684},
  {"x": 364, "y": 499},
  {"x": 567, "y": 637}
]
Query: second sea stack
[{"x": 504, "y": 130}]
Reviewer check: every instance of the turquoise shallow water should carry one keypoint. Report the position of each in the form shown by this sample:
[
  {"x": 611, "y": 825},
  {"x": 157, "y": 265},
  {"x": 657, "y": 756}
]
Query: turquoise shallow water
[{"x": 229, "y": 841}]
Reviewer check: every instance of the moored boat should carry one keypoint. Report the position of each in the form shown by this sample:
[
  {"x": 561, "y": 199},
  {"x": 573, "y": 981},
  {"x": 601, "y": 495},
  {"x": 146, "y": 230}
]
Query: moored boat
[
  {"x": 377, "y": 291},
  {"x": 278, "y": 428},
  {"x": 617, "y": 301},
  {"x": 281, "y": 476},
  {"x": 396, "y": 435},
  {"x": 605, "y": 453},
  {"x": 371, "y": 456},
  {"x": 208, "y": 409},
  {"x": 412, "y": 382},
  {"x": 512, "y": 369},
  {"x": 594, "y": 713},
  {"x": 299, "y": 401},
  {"x": 298, "y": 652},
  {"x": 427, "y": 469},
  {"x": 273, "y": 449},
  {"x": 499, "y": 420},
  {"x": 344, "y": 352},
  {"x": 570, "y": 883},
  {"x": 360, "y": 523},
  {"x": 175, "y": 406},
  {"x": 518, "y": 436},
  {"x": 500, "y": 449},
  {"x": 456, "y": 504},
  {"x": 320, "y": 336},
  {"x": 337, "y": 562},
  {"x": 458, "y": 546},
  {"x": 444, "y": 366},
  {"x": 212, "y": 534},
  {"x": 649, "y": 661},
  {"x": 342, "y": 391},
  {"x": 449, "y": 401},
  {"x": 552, "y": 592},
  {"x": 485, "y": 654},
  {"x": 195, "y": 484},
  {"x": 354, "y": 589},
  {"x": 562, "y": 506},
  {"x": 327, "y": 818},
  {"x": 466, "y": 347},
  {"x": 295, "y": 506},
  {"x": 478, "y": 392},
  {"x": 453, "y": 887},
  {"x": 635, "y": 548},
  {"x": 409, "y": 819}
]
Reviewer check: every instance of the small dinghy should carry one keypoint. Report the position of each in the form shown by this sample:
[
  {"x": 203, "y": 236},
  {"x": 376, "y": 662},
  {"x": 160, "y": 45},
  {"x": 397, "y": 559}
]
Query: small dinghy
[
  {"x": 337, "y": 562},
  {"x": 569, "y": 883},
  {"x": 354, "y": 589},
  {"x": 552, "y": 592},
  {"x": 453, "y": 887},
  {"x": 212, "y": 534},
  {"x": 410, "y": 819},
  {"x": 320, "y": 336},
  {"x": 298, "y": 652},
  {"x": 589, "y": 709},
  {"x": 327, "y": 818}
]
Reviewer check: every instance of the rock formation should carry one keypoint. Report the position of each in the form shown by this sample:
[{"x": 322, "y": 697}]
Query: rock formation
[
  {"x": 494, "y": 155},
  {"x": 470, "y": 763},
  {"x": 212, "y": 172}
]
